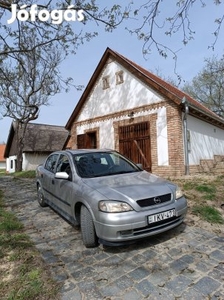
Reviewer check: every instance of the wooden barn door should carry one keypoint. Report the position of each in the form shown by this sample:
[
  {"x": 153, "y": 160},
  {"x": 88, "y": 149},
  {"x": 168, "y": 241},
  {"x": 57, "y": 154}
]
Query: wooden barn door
[{"x": 134, "y": 142}]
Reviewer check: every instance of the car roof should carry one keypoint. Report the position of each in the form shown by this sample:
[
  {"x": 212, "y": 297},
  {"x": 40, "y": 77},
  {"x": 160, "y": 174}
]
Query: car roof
[{"x": 82, "y": 151}]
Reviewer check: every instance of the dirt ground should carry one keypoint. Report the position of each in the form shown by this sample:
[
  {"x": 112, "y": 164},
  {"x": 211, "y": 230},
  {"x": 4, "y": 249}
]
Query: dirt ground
[{"x": 193, "y": 220}]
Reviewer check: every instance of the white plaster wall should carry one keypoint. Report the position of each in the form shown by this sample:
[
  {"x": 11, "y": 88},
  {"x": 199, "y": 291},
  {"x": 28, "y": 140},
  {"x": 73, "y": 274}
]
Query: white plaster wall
[
  {"x": 162, "y": 140},
  {"x": 130, "y": 94},
  {"x": 106, "y": 132},
  {"x": 2, "y": 165},
  {"x": 31, "y": 161},
  {"x": 8, "y": 164},
  {"x": 206, "y": 140}
]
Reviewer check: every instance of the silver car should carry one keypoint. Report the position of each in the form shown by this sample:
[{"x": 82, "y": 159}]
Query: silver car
[{"x": 112, "y": 199}]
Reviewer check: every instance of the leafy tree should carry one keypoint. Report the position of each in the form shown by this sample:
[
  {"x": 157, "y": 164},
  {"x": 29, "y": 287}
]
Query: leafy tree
[{"x": 208, "y": 86}]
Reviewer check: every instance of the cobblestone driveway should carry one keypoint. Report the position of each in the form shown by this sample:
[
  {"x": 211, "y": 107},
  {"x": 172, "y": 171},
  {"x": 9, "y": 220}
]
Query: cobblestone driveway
[{"x": 185, "y": 263}]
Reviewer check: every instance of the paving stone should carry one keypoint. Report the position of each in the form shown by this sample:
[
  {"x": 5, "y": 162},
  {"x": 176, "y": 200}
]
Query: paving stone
[
  {"x": 207, "y": 286},
  {"x": 87, "y": 273},
  {"x": 217, "y": 273},
  {"x": 162, "y": 294},
  {"x": 218, "y": 255},
  {"x": 178, "y": 284},
  {"x": 132, "y": 295},
  {"x": 113, "y": 260},
  {"x": 191, "y": 272},
  {"x": 90, "y": 290},
  {"x": 193, "y": 294},
  {"x": 145, "y": 287},
  {"x": 184, "y": 263},
  {"x": 68, "y": 286},
  {"x": 219, "y": 239},
  {"x": 178, "y": 265},
  {"x": 149, "y": 254},
  {"x": 138, "y": 274},
  {"x": 72, "y": 295},
  {"x": 111, "y": 290},
  {"x": 124, "y": 282},
  {"x": 220, "y": 267},
  {"x": 189, "y": 259}
]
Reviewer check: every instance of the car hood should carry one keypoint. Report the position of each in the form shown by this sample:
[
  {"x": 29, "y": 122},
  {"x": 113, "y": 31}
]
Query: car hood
[{"x": 132, "y": 186}]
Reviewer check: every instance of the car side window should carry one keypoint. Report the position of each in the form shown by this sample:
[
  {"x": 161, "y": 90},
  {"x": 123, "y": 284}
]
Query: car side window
[
  {"x": 51, "y": 162},
  {"x": 63, "y": 165}
]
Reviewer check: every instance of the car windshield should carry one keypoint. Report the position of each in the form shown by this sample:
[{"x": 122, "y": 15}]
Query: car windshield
[{"x": 103, "y": 164}]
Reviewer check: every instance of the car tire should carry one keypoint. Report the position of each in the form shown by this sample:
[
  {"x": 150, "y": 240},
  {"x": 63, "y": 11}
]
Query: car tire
[
  {"x": 40, "y": 196},
  {"x": 89, "y": 236}
]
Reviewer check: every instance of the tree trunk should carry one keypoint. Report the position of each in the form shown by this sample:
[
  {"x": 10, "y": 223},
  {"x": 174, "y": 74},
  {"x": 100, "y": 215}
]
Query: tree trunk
[
  {"x": 19, "y": 164},
  {"x": 20, "y": 133}
]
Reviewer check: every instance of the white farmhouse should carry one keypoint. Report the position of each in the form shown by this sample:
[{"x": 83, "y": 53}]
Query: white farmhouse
[
  {"x": 40, "y": 141},
  {"x": 129, "y": 109}
]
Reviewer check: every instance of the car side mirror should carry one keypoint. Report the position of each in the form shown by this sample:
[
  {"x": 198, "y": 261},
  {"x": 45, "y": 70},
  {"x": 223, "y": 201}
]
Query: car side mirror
[{"x": 61, "y": 175}]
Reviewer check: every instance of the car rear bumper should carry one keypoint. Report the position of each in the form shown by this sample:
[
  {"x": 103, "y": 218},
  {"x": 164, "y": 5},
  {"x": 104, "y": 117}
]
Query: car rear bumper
[{"x": 129, "y": 226}]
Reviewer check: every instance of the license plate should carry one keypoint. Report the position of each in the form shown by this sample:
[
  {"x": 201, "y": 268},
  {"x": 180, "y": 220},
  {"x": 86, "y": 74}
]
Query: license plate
[{"x": 161, "y": 216}]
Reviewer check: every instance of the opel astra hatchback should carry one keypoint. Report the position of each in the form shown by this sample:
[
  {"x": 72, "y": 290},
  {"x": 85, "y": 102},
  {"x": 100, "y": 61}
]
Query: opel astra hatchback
[{"x": 113, "y": 200}]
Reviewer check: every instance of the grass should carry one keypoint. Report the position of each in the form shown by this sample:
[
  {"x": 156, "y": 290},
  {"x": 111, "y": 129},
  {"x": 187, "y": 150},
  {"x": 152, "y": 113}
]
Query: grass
[
  {"x": 208, "y": 189},
  {"x": 22, "y": 174},
  {"x": 2, "y": 172},
  {"x": 205, "y": 196},
  {"x": 208, "y": 213},
  {"x": 25, "y": 174},
  {"x": 23, "y": 274}
]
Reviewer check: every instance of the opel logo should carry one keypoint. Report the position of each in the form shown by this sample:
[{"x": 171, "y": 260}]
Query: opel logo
[{"x": 157, "y": 200}]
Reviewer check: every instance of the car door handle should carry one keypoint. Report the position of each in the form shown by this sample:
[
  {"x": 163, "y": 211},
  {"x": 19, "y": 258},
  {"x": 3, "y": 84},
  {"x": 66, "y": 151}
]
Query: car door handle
[{"x": 52, "y": 181}]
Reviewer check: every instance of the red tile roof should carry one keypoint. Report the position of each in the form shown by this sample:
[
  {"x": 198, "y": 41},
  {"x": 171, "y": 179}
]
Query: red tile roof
[
  {"x": 2, "y": 150},
  {"x": 171, "y": 88}
]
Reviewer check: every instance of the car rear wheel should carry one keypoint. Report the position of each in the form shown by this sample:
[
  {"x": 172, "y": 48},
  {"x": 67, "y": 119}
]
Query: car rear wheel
[
  {"x": 89, "y": 237},
  {"x": 40, "y": 196}
]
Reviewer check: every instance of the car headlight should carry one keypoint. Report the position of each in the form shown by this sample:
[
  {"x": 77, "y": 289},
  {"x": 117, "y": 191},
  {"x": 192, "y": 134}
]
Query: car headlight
[
  {"x": 114, "y": 206},
  {"x": 179, "y": 193}
]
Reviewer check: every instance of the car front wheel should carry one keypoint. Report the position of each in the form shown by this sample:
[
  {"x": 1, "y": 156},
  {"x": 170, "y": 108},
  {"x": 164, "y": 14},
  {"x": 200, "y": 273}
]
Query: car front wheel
[
  {"x": 40, "y": 196},
  {"x": 89, "y": 237}
]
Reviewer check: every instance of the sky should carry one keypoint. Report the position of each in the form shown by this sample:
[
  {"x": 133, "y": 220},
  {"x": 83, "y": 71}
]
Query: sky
[{"x": 82, "y": 65}]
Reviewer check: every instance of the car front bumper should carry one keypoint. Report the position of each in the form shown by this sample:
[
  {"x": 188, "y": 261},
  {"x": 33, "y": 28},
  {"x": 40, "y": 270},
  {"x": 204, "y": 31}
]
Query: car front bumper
[{"x": 129, "y": 226}]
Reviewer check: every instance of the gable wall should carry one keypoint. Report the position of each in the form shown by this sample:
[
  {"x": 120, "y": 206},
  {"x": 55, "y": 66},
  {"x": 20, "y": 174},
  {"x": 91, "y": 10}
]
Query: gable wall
[{"x": 118, "y": 97}]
